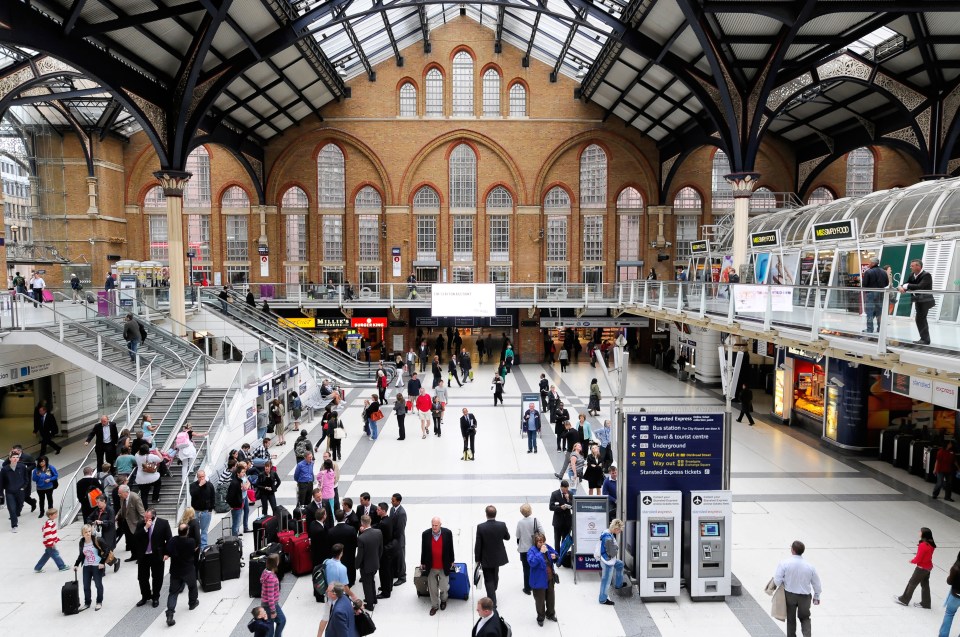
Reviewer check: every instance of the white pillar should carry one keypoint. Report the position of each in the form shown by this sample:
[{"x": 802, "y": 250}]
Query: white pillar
[
  {"x": 92, "y": 208},
  {"x": 742, "y": 184},
  {"x": 173, "y": 183}
]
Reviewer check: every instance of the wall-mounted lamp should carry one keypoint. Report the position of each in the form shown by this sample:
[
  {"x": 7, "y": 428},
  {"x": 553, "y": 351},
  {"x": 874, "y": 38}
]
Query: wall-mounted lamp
[
  {"x": 383, "y": 229},
  {"x": 540, "y": 233}
]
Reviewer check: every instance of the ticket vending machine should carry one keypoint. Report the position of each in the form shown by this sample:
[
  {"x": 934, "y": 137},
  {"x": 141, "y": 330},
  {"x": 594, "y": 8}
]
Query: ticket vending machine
[
  {"x": 658, "y": 539},
  {"x": 711, "y": 522}
]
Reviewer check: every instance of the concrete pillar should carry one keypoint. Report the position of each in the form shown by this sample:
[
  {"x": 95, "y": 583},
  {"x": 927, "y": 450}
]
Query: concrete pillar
[
  {"x": 92, "y": 208},
  {"x": 34, "y": 196},
  {"x": 742, "y": 184},
  {"x": 173, "y": 182}
]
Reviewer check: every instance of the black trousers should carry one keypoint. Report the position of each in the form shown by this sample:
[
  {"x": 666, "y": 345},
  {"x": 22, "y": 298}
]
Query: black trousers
[
  {"x": 106, "y": 453},
  {"x": 386, "y": 572},
  {"x": 150, "y": 575},
  {"x": 46, "y": 439},
  {"x": 798, "y": 606},
  {"x": 491, "y": 579},
  {"x": 921, "y": 578},
  {"x": 369, "y": 581},
  {"x": 400, "y": 427},
  {"x": 177, "y": 584},
  {"x": 543, "y": 402},
  {"x": 560, "y": 532},
  {"x": 468, "y": 441},
  {"x": 921, "y": 317},
  {"x": 526, "y": 571},
  {"x": 124, "y": 531},
  {"x": 747, "y": 413},
  {"x": 304, "y": 493}
]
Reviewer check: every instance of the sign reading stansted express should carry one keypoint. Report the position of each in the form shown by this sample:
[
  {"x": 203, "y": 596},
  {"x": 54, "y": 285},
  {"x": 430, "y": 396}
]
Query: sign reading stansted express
[
  {"x": 835, "y": 230},
  {"x": 770, "y": 239}
]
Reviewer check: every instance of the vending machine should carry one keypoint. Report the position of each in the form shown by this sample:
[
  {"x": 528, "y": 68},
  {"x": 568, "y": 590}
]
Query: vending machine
[
  {"x": 711, "y": 522},
  {"x": 658, "y": 539}
]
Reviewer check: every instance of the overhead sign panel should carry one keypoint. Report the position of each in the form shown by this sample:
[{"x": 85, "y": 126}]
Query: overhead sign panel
[
  {"x": 835, "y": 231},
  {"x": 770, "y": 239},
  {"x": 464, "y": 299}
]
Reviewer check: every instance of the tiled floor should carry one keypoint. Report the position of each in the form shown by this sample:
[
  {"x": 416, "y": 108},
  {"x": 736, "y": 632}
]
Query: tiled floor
[{"x": 860, "y": 522}]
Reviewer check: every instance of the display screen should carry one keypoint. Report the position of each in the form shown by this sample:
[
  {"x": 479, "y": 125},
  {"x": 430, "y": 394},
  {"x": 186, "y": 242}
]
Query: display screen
[
  {"x": 659, "y": 530},
  {"x": 709, "y": 529},
  {"x": 464, "y": 299}
]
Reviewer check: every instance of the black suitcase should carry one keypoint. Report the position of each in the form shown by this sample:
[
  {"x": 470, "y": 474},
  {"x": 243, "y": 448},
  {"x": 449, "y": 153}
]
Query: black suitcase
[
  {"x": 210, "y": 569},
  {"x": 70, "y": 597},
  {"x": 258, "y": 563},
  {"x": 319, "y": 577},
  {"x": 230, "y": 557},
  {"x": 265, "y": 531},
  {"x": 268, "y": 549},
  {"x": 901, "y": 450},
  {"x": 285, "y": 520}
]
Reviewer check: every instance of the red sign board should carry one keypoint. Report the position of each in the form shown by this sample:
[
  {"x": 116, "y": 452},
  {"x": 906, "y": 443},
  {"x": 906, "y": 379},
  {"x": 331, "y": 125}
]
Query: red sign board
[{"x": 369, "y": 321}]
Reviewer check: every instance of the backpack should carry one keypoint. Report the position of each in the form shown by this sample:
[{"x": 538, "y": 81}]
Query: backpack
[
  {"x": 220, "y": 499},
  {"x": 143, "y": 332},
  {"x": 505, "y": 629}
]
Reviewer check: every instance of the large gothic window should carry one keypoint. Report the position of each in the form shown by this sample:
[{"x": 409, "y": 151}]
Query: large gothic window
[
  {"x": 330, "y": 177},
  {"x": 593, "y": 177},
  {"x": 463, "y": 177},
  {"x": 859, "y": 172},
  {"x": 462, "y": 84}
]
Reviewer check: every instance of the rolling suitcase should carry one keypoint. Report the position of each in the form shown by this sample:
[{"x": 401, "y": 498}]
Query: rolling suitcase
[
  {"x": 564, "y": 557},
  {"x": 297, "y": 547},
  {"x": 70, "y": 597},
  {"x": 460, "y": 581},
  {"x": 265, "y": 531},
  {"x": 210, "y": 569},
  {"x": 420, "y": 582},
  {"x": 230, "y": 557},
  {"x": 257, "y": 565},
  {"x": 320, "y": 582},
  {"x": 285, "y": 519},
  {"x": 901, "y": 450},
  {"x": 268, "y": 549}
]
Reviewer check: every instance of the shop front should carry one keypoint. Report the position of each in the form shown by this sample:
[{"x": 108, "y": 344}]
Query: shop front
[{"x": 798, "y": 389}]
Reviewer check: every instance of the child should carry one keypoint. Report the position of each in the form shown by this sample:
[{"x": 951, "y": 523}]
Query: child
[
  {"x": 50, "y": 540},
  {"x": 259, "y": 625},
  {"x": 107, "y": 480}
]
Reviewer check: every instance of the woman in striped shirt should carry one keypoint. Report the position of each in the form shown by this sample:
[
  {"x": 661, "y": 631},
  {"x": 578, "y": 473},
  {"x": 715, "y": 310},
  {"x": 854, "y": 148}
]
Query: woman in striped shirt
[{"x": 270, "y": 595}]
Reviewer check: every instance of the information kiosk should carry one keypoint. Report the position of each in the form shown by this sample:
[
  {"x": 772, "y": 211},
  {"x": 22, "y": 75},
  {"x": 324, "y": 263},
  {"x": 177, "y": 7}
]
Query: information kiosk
[
  {"x": 658, "y": 539},
  {"x": 711, "y": 522}
]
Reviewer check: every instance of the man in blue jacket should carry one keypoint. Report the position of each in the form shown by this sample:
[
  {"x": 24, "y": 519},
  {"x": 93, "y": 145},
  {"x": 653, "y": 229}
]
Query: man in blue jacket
[
  {"x": 342, "y": 621},
  {"x": 14, "y": 479},
  {"x": 303, "y": 476},
  {"x": 530, "y": 424}
]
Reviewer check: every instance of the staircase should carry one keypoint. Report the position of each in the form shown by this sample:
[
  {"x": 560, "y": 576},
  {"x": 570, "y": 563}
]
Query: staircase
[
  {"x": 174, "y": 351},
  {"x": 168, "y": 407},
  {"x": 206, "y": 416},
  {"x": 332, "y": 362}
]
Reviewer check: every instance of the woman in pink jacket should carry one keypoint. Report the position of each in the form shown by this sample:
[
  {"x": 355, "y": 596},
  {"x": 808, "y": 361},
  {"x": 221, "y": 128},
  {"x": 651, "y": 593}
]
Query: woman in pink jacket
[{"x": 327, "y": 481}]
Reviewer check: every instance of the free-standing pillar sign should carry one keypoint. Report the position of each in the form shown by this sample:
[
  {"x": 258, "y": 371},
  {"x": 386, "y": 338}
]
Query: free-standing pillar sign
[{"x": 671, "y": 451}]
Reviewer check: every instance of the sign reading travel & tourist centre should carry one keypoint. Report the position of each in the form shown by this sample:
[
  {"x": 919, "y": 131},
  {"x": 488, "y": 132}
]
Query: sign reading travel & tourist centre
[{"x": 669, "y": 450}]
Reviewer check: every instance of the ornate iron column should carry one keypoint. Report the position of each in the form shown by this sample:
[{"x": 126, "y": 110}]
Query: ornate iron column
[
  {"x": 742, "y": 184},
  {"x": 173, "y": 183}
]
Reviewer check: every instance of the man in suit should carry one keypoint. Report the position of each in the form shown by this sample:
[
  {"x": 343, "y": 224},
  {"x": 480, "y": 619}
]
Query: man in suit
[
  {"x": 399, "y": 517},
  {"x": 368, "y": 508},
  {"x": 369, "y": 552},
  {"x": 489, "y": 624},
  {"x": 129, "y": 517},
  {"x": 561, "y": 503},
  {"x": 317, "y": 532},
  {"x": 873, "y": 278},
  {"x": 746, "y": 404},
  {"x": 182, "y": 551},
  {"x": 468, "y": 429},
  {"x": 105, "y": 431},
  {"x": 423, "y": 353},
  {"x": 46, "y": 427},
  {"x": 349, "y": 515},
  {"x": 316, "y": 504},
  {"x": 489, "y": 552},
  {"x": 345, "y": 534},
  {"x": 151, "y": 539},
  {"x": 920, "y": 279},
  {"x": 343, "y": 622},
  {"x": 85, "y": 485},
  {"x": 388, "y": 561},
  {"x": 544, "y": 392},
  {"x": 436, "y": 560}
]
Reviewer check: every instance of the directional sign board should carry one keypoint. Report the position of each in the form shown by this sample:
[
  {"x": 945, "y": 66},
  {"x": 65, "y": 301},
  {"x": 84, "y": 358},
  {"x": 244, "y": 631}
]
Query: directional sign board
[{"x": 670, "y": 450}]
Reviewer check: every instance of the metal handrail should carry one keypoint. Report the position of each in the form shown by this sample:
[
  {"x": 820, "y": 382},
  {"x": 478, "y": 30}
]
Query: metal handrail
[
  {"x": 159, "y": 346},
  {"x": 185, "y": 479},
  {"x": 173, "y": 430},
  {"x": 68, "y": 501}
]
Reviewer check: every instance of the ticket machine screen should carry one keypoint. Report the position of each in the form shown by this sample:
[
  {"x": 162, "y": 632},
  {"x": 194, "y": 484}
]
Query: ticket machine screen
[
  {"x": 709, "y": 529},
  {"x": 658, "y": 529}
]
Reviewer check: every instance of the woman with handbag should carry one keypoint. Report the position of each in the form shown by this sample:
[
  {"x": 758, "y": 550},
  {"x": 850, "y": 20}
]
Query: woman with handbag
[
  {"x": 542, "y": 559},
  {"x": 148, "y": 473},
  {"x": 93, "y": 558},
  {"x": 337, "y": 433},
  {"x": 400, "y": 410},
  {"x": 921, "y": 574},
  {"x": 593, "y": 407},
  {"x": 266, "y": 488},
  {"x": 326, "y": 482},
  {"x": 46, "y": 478},
  {"x": 276, "y": 421},
  {"x": 186, "y": 450},
  {"x": 575, "y": 470},
  {"x": 373, "y": 415},
  {"x": 497, "y": 387}
]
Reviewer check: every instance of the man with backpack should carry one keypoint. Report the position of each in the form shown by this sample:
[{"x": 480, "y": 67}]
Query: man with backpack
[{"x": 20, "y": 285}]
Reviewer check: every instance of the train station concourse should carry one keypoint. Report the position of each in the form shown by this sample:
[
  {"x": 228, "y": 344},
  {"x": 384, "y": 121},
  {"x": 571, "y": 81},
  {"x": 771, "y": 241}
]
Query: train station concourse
[{"x": 717, "y": 238}]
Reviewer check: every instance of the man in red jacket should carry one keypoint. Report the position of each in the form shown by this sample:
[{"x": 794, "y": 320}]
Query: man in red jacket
[
  {"x": 436, "y": 559},
  {"x": 944, "y": 467}
]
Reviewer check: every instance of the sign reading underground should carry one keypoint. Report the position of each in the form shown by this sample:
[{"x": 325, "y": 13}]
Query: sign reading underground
[
  {"x": 769, "y": 239},
  {"x": 835, "y": 230}
]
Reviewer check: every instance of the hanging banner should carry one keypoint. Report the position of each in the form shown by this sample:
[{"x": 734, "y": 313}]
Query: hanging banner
[
  {"x": 753, "y": 298},
  {"x": 264, "y": 266},
  {"x": 670, "y": 451},
  {"x": 835, "y": 231},
  {"x": 395, "y": 253}
]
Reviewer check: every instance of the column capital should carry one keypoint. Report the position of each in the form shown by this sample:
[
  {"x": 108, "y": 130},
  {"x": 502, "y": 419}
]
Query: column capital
[
  {"x": 173, "y": 182},
  {"x": 742, "y": 183}
]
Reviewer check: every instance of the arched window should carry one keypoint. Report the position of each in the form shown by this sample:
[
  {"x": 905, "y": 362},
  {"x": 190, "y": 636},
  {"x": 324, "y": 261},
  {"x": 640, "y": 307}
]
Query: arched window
[
  {"x": 687, "y": 206},
  {"x": 463, "y": 84},
  {"x": 408, "y": 100},
  {"x": 197, "y": 192},
  {"x": 859, "y": 172},
  {"x": 491, "y": 93},
  {"x": 463, "y": 177},
  {"x": 557, "y": 199},
  {"x": 426, "y": 199},
  {"x": 330, "y": 177},
  {"x": 763, "y": 199},
  {"x": 499, "y": 199},
  {"x": 367, "y": 205},
  {"x": 434, "y": 105},
  {"x": 593, "y": 177},
  {"x": 156, "y": 202},
  {"x": 426, "y": 205},
  {"x": 820, "y": 196},
  {"x": 294, "y": 198},
  {"x": 721, "y": 188},
  {"x": 518, "y": 100},
  {"x": 630, "y": 197},
  {"x": 234, "y": 197}
]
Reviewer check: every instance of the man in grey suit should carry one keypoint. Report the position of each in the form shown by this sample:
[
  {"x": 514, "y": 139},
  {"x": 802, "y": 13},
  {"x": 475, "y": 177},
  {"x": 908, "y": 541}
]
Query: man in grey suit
[
  {"x": 129, "y": 517},
  {"x": 489, "y": 552},
  {"x": 369, "y": 552},
  {"x": 399, "y": 517}
]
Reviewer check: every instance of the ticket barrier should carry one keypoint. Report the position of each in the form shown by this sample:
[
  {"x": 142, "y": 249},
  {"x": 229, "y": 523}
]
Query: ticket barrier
[
  {"x": 711, "y": 522},
  {"x": 658, "y": 539}
]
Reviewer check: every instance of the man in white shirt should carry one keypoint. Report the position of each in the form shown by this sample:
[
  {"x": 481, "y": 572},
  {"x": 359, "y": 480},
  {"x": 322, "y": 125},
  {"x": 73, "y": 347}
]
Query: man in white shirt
[
  {"x": 798, "y": 578},
  {"x": 37, "y": 284},
  {"x": 489, "y": 623}
]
